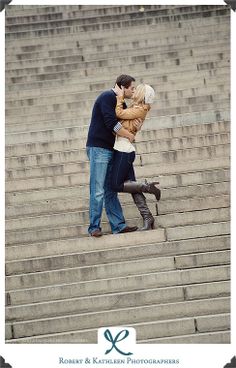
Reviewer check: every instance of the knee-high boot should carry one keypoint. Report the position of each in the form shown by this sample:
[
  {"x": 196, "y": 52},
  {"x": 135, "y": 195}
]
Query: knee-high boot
[
  {"x": 148, "y": 219},
  {"x": 135, "y": 187}
]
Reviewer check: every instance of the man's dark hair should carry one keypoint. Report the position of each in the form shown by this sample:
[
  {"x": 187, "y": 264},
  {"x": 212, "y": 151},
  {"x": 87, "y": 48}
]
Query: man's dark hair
[{"x": 124, "y": 80}]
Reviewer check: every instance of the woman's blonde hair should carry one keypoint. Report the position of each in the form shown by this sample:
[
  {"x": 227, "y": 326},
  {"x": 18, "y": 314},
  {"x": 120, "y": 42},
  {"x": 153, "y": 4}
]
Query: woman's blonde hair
[
  {"x": 139, "y": 95},
  {"x": 143, "y": 95}
]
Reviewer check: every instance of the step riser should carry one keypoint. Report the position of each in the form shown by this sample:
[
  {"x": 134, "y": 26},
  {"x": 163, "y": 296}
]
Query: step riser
[
  {"x": 49, "y": 56},
  {"x": 168, "y": 157},
  {"x": 76, "y": 203},
  {"x": 32, "y": 265},
  {"x": 54, "y": 277},
  {"x": 149, "y": 331},
  {"x": 177, "y": 81},
  {"x": 132, "y": 283},
  {"x": 202, "y": 338},
  {"x": 73, "y": 154},
  {"x": 27, "y": 23},
  {"x": 68, "y": 27},
  {"x": 85, "y": 37},
  {"x": 56, "y": 65},
  {"x": 74, "y": 72},
  {"x": 60, "y": 175},
  {"x": 163, "y": 221},
  {"x": 152, "y": 123},
  {"x": 80, "y": 134},
  {"x": 46, "y": 137},
  {"x": 130, "y": 211},
  {"x": 200, "y": 231},
  {"x": 213, "y": 95},
  {"x": 214, "y": 86},
  {"x": 181, "y": 310},
  {"x": 81, "y": 193}
]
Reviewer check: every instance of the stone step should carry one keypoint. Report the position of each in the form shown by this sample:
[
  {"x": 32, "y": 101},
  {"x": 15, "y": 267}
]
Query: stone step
[
  {"x": 25, "y": 55},
  {"x": 84, "y": 244},
  {"x": 176, "y": 79},
  {"x": 73, "y": 229},
  {"x": 102, "y": 272},
  {"x": 211, "y": 97},
  {"x": 44, "y": 164},
  {"x": 67, "y": 310},
  {"x": 46, "y": 63},
  {"x": 51, "y": 272},
  {"x": 73, "y": 260},
  {"x": 169, "y": 117},
  {"x": 26, "y": 13},
  {"x": 196, "y": 231},
  {"x": 75, "y": 71},
  {"x": 185, "y": 309},
  {"x": 186, "y": 95},
  {"x": 121, "y": 284},
  {"x": 73, "y": 154},
  {"x": 80, "y": 217},
  {"x": 22, "y": 14},
  {"x": 151, "y": 170},
  {"x": 65, "y": 140},
  {"x": 20, "y": 264},
  {"x": 99, "y": 37},
  {"x": 75, "y": 203},
  {"x": 191, "y": 118},
  {"x": 185, "y": 47},
  {"x": 72, "y": 244},
  {"x": 94, "y": 10},
  {"x": 60, "y": 21},
  {"x": 68, "y": 27},
  {"x": 144, "y": 331},
  {"x": 158, "y": 312},
  {"x": 183, "y": 104},
  {"x": 90, "y": 15},
  {"x": 154, "y": 172},
  {"x": 78, "y": 274},
  {"x": 171, "y": 92},
  {"x": 219, "y": 337},
  {"x": 146, "y": 159}
]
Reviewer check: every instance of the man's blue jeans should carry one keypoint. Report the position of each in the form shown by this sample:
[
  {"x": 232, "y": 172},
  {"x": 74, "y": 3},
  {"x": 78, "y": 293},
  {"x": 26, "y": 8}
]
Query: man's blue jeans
[{"x": 100, "y": 191}]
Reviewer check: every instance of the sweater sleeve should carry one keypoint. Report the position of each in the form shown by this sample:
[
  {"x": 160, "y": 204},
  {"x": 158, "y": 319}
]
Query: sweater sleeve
[
  {"x": 130, "y": 113},
  {"x": 108, "y": 105}
]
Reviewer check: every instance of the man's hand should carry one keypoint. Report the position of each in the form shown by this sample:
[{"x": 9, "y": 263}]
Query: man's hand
[
  {"x": 138, "y": 123},
  {"x": 119, "y": 91}
]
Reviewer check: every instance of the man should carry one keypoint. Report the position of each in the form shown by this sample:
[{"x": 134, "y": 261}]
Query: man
[{"x": 101, "y": 138}]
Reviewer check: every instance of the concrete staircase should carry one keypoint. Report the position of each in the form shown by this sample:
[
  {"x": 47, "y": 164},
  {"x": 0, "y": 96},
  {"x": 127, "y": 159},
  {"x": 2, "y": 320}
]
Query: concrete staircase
[{"x": 172, "y": 283}]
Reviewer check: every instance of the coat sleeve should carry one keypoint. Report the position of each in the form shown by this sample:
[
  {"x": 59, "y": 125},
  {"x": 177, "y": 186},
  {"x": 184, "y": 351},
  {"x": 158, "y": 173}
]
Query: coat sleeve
[
  {"x": 107, "y": 106},
  {"x": 129, "y": 113}
]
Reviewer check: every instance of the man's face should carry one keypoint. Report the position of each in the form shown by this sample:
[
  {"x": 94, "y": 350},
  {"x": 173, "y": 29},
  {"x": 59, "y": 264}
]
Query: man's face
[{"x": 129, "y": 91}]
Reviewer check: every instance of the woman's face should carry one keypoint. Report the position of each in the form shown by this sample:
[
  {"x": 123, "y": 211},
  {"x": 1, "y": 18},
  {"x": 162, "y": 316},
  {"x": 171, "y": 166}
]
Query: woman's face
[{"x": 129, "y": 92}]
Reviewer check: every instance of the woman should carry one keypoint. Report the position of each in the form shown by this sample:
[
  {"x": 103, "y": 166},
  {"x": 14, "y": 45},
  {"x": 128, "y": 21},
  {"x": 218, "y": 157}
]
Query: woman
[{"x": 123, "y": 176}]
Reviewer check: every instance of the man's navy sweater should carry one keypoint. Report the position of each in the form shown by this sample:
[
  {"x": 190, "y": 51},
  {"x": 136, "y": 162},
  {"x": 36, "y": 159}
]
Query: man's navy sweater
[{"x": 103, "y": 121}]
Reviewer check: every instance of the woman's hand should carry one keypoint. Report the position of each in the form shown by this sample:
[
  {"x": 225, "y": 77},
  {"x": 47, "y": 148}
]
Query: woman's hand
[
  {"x": 131, "y": 137},
  {"x": 138, "y": 124},
  {"x": 119, "y": 91}
]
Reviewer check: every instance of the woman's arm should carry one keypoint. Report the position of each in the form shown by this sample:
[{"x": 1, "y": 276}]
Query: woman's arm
[{"x": 129, "y": 113}]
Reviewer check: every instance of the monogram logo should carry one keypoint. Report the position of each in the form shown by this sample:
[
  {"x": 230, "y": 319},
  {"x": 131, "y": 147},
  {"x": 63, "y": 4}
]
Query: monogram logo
[{"x": 117, "y": 338}]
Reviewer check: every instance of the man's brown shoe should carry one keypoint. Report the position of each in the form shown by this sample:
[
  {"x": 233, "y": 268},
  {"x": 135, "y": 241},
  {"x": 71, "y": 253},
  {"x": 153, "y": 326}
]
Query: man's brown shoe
[
  {"x": 97, "y": 233},
  {"x": 128, "y": 229}
]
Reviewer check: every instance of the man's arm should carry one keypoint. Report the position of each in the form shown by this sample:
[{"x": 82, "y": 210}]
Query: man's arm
[
  {"x": 108, "y": 104},
  {"x": 122, "y": 132}
]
